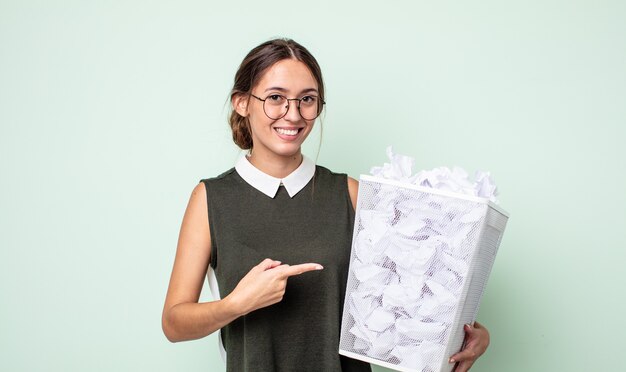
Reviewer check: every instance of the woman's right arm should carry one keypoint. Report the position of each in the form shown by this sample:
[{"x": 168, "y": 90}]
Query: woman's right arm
[{"x": 183, "y": 317}]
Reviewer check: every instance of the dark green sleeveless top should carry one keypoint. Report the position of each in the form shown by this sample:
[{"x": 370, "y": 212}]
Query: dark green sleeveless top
[{"x": 300, "y": 333}]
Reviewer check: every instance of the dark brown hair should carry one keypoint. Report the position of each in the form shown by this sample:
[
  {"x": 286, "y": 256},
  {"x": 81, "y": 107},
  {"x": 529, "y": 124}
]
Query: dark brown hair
[{"x": 251, "y": 70}]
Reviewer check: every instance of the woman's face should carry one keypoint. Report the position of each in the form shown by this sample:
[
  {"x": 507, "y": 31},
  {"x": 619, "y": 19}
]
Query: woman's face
[{"x": 283, "y": 137}]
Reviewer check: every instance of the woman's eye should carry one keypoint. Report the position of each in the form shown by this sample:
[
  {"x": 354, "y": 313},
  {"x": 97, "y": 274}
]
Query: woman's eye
[
  {"x": 275, "y": 97},
  {"x": 308, "y": 99}
]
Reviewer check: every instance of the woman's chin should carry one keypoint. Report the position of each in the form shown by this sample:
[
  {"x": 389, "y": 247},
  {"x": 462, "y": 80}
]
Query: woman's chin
[
  {"x": 288, "y": 151},
  {"x": 287, "y": 148}
]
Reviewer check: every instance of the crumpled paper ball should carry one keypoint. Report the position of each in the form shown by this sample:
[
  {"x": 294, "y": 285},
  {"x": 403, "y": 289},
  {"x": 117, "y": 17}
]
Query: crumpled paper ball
[{"x": 400, "y": 168}]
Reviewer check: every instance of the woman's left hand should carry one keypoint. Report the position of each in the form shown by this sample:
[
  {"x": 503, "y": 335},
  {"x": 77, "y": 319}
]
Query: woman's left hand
[{"x": 476, "y": 342}]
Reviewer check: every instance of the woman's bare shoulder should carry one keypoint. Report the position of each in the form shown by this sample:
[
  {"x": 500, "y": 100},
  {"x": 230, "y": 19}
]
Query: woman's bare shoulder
[{"x": 353, "y": 190}]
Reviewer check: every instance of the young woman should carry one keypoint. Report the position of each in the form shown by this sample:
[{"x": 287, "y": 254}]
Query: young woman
[{"x": 276, "y": 230}]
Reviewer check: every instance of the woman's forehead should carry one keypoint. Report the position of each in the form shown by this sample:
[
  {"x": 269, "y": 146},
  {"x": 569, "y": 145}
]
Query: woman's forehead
[{"x": 289, "y": 75}]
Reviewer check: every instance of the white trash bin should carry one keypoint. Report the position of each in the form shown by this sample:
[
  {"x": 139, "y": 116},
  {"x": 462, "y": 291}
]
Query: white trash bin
[{"x": 419, "y": 265}]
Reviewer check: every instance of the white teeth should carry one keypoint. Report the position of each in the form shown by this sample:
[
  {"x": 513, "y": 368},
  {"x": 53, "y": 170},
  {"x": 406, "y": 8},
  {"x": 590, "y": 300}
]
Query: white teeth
[{"x": 288, "y": 132}]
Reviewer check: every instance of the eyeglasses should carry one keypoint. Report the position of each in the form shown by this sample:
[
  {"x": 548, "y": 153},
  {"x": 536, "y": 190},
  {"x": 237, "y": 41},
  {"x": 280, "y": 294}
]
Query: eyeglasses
[{"x": 276, "y": 106}]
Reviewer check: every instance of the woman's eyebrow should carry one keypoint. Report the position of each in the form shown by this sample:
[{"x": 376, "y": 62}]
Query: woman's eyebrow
[{"x": 280, "y": 89}]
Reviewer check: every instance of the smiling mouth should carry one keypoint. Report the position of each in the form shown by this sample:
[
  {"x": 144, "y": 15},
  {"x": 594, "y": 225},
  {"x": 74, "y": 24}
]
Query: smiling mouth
[{"x": 288, "y": 132}]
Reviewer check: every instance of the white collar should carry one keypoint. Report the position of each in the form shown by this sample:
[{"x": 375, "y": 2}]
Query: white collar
[{"x": 269, "y": 185}]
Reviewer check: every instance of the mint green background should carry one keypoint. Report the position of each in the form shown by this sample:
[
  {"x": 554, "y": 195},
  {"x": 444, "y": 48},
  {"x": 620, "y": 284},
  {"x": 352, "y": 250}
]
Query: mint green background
[{"x": 111, "y": 111}]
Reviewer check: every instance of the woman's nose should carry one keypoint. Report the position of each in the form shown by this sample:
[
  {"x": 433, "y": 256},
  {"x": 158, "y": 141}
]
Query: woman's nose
[{"x": 293, "y": 110}]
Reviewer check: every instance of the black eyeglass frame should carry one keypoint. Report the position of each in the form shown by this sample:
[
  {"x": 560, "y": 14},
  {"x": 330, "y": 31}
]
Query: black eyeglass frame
[{"x": 319, "y": 109}]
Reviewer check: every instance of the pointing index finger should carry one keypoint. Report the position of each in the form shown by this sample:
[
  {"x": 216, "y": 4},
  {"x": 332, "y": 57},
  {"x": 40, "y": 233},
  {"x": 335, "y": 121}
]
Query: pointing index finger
[{"x": 291, "y": 270}]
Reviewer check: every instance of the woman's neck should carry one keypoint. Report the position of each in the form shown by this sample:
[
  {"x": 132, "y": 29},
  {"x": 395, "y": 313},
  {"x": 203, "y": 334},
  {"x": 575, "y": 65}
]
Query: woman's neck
[{"x": 276, "y": 165}]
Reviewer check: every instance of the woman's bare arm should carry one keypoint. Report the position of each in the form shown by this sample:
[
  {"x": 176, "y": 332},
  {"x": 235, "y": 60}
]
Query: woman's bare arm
[
  {"x": 183, "y": 317},
  {"x": 353, "y": 190}
]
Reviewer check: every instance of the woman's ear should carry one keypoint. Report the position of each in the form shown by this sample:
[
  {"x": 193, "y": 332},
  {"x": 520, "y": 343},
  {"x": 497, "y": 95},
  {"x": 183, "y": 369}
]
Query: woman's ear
[{"x": 240, "y": 104}]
